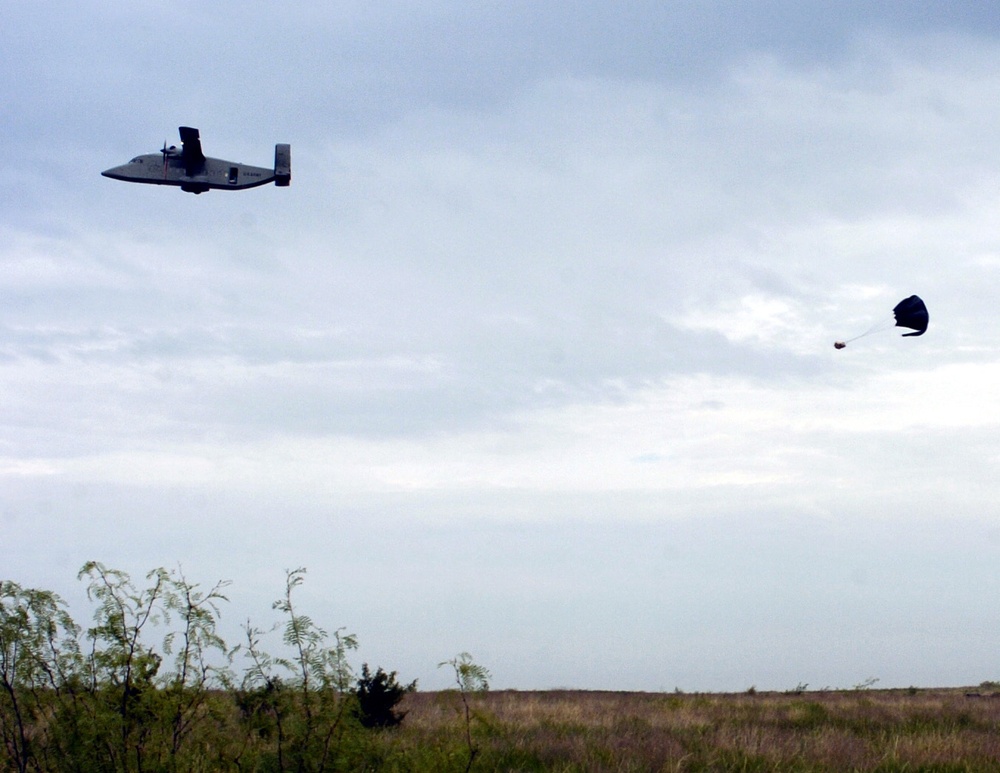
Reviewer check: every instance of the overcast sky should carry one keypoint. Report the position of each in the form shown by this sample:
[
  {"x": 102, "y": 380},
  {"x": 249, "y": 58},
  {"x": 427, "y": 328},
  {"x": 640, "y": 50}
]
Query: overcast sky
[{"x": 534, "y": 359}]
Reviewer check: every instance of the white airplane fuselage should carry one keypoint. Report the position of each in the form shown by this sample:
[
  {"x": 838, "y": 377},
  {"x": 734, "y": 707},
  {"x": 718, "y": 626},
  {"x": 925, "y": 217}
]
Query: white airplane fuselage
[
  {"x": 156, "y": 169},
  {"x": 190, "y": 170}
]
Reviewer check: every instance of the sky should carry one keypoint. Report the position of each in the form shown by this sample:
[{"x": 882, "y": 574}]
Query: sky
[{"x": 534, "y": 358}]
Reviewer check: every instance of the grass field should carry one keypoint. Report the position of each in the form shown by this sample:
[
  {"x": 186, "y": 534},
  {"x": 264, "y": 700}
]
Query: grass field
[
  {"x": 857, "y": 730},
  {"x": 103, "y": 700}
]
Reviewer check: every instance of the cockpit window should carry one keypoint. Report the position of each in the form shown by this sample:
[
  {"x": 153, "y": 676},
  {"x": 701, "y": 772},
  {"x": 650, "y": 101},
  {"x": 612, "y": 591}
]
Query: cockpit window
[{"x": 136, "y": 160}]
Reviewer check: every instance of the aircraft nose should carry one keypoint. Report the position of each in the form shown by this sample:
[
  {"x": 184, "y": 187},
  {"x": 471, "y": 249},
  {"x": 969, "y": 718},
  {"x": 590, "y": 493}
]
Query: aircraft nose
[{"x": 115, "y": 172}]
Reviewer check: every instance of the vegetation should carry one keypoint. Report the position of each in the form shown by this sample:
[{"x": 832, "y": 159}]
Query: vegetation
[
  {"x": 471, "y": 679},
  {"x": 935, "y": 731},
  {"x": 107, "y": 699},
  {"x": 152, "y": 687},
  {"x": 378, "y": 695}
]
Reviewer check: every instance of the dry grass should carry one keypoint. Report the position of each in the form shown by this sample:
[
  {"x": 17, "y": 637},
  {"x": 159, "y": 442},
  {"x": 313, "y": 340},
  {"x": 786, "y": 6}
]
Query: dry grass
[{"x": 864, "y": 730}]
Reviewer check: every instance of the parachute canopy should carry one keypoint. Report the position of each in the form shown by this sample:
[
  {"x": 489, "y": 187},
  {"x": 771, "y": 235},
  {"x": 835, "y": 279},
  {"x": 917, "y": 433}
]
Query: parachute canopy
[
  {"x": 912, "y": 313},
  {"x": 909, "y": 312}
]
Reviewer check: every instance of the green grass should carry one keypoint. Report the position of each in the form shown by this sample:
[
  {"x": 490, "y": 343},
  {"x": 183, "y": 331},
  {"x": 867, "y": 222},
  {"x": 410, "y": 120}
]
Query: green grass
[
  {"x": 931, "y": 730},
  {"x": 570, "y": 731}
]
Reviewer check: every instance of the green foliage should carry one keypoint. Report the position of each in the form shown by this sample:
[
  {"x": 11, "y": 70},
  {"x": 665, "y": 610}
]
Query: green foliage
[
  {"x": 151, "y": 686},
  {"x": 312, "y": 662},
  {"x": 808, "y": 716},
  {"x": 39, "y": 654},
  {"x": 378, "y": 695},
  {"x": 471, "y": 678},
  {"x": 140, "y": 714},
  {"x": 299, "y": 701}
]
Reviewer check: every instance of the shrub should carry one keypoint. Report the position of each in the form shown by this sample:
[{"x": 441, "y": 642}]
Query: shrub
[{"x": 378, "y": 694}]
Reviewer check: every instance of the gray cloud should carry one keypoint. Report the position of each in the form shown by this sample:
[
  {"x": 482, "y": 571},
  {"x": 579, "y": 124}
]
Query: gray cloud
[{"x": 547, "y": 311}]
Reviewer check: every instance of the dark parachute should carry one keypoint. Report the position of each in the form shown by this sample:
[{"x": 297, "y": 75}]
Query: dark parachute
[
  {"x": 909, "y": 312},
  {"x": 912, "y": 313}
]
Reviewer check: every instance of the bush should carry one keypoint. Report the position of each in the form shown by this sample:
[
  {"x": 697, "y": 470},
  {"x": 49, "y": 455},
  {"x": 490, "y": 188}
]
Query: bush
[{"x": 378, "y": 694}]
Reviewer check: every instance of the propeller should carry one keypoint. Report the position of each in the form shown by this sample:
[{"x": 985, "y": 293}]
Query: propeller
[{"x": 170, "y": 152}]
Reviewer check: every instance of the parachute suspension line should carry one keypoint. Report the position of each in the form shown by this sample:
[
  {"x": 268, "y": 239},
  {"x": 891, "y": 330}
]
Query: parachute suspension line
[
  {"x": 910, "y": 313},
  {"x": 878, "y": 327}
]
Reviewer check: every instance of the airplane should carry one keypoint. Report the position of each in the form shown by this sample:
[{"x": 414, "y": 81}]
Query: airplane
[{"x": 194, "y": 173}]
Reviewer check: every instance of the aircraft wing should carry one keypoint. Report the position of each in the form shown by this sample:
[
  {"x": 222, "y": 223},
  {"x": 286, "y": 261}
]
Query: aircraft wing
[{"x": 194, "y": 159}]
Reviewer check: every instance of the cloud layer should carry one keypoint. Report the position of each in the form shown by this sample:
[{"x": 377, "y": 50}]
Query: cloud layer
[{"x": 546, "y": 317}]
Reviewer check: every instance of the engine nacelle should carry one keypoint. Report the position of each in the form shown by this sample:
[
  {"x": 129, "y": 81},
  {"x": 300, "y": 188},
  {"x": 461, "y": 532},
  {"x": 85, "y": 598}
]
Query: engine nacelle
[{"x": 282, "y": 165}]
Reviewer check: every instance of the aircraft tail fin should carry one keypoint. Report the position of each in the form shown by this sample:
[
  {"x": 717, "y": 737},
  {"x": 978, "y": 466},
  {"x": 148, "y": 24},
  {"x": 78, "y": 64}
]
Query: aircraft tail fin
[{"x": 282, "y": 165}]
